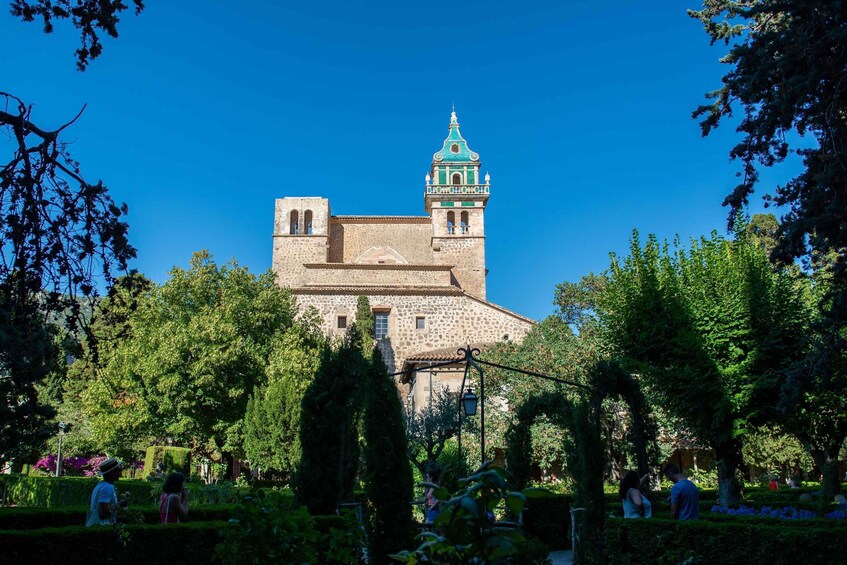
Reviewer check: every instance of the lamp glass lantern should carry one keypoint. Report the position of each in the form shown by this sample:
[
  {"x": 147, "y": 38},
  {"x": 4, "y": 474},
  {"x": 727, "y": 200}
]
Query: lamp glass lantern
[{"x": 469, "y": 402}]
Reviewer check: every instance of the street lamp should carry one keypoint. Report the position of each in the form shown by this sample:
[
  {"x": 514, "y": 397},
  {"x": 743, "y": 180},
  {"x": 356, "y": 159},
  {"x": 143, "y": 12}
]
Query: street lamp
[
  {"x": 62, "y": 427},
  {"x": 469, "y": 402}
]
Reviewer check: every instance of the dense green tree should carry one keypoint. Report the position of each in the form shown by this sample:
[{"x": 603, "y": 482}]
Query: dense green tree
[
  {"x": 272, "y": 419},
  {"x": 772, "y": 451},
  {"x": 329, "y": 428},
  {"x": 388, "y": 475},
  {"x": 712, "y": 329},
  {"x": 788, "y": 71},
  {"x": 199, "y": 345},
  {"x": 364, "y": 319}
]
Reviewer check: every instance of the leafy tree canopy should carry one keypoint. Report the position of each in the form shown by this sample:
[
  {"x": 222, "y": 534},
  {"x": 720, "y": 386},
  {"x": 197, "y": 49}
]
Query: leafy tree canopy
[
  {"x": 788, "y": 75},
  {"x": 199, "y": 345}
]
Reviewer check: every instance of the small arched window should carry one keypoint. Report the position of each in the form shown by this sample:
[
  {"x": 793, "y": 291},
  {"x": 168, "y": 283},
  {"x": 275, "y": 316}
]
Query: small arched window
[
  {"x": 294, "y": 226},
  {"x": 307, "y": 222},
  {"x": 465, "y": 225},
  {"x": 451, "y": 223},
  {"x": 457, "y": 178}
]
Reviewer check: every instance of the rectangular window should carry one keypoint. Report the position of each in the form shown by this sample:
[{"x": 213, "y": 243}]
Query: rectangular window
[
  {"x": 420, "y": 323},
  {"x": 380, "y": 325},
  {"x": 342, "y": 322}
]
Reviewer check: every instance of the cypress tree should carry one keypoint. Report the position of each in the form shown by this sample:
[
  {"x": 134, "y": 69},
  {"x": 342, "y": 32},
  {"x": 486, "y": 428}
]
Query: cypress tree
[
  {"x": 328, "y": 430},
  {"x": 388, "y": 475}
]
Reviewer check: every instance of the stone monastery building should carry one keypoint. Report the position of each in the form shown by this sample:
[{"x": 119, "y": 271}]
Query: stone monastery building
[{"x": 423, "y": 275}]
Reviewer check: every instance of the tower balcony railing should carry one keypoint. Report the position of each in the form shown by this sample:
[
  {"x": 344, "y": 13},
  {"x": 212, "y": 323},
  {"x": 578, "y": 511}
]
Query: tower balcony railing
[{"x": 457, "y": 189}]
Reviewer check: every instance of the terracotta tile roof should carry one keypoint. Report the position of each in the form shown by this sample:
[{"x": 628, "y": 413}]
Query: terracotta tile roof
[{"x": 445, "y": 354}]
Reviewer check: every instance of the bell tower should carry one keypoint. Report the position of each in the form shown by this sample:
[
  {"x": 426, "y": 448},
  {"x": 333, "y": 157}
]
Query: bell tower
[{"x": 455, "y": 199}]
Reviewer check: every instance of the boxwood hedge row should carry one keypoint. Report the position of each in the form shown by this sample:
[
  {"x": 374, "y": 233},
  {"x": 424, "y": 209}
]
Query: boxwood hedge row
[{"x": 722, "y": 541}]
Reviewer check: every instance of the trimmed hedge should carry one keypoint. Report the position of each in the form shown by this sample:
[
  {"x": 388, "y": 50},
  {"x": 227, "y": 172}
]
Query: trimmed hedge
[
  {"x": 192, "y": 542},
  {"x": 707, "y": 541},
  {"x": 548, "y": 519},
  {"x": 35, "y": 518},
  {"x": 52, "y": 492},
  {"x": 175, "y": 543},
  {"x": 172, "y": 459}
]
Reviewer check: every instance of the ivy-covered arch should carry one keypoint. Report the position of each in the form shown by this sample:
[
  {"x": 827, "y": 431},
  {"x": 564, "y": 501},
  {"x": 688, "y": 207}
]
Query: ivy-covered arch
[
  {"x": 557, "y": 408},
  {"x": 581, "y": 418},
  {"x": 609, "y": 380}
]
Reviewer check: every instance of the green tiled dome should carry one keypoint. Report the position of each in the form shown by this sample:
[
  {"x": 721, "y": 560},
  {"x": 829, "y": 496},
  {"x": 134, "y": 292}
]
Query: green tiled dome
[{"x": 455, "y": 149}]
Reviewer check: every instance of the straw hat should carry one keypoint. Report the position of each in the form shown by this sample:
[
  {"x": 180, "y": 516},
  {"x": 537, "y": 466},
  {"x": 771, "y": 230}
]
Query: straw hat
[{"x": 110, "y": 465}]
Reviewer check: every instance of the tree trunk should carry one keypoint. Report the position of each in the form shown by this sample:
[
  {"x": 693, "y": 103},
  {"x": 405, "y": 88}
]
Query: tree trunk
[
  {"x": 827, "y": 461},
  {"x": 729, "y": 459}
]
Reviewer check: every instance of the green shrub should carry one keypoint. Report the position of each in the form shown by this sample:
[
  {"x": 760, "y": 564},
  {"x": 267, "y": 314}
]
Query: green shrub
[
  {"x": 172, "y": 459},
  {"x": 176, "y": 543},
  {"x": 269, "y": 529},
  {"x": 548, "y": 519},
  {"x": 721, "y": 541},
  {"x": 52, "y": 492},
  {"x": 35, "y": 518}
]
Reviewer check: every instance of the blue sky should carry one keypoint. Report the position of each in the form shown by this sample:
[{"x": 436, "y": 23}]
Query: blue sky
[{"x": 203, "y": 112}]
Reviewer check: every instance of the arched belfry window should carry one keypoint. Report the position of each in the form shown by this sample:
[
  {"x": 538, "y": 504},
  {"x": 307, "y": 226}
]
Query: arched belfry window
[
  {"x": 451, "y": 223},
  {"x": 307, "y": 222},
  {"x": 294, "y": 226},
  {"x": 465, "y": 225},
  {"x": 457, "y": 178}
]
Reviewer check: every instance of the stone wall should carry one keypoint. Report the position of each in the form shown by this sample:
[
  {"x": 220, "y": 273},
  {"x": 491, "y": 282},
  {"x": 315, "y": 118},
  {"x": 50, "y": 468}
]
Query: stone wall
[
  {"x": 450, "y": 320},
  {"x": 351, "y": 237},
  {"x": 390, "y": 275}
]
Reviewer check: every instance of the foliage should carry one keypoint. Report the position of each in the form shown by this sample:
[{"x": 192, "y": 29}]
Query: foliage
[
  {"x": 551, "y": 348},
  {"x": 329, "y": 428},
  {"x": 169, "y": 459},
  {"x": 178, "y": 543},
  {"x": 53, "y": 492},
  {"x": 519, "y": 437},
  {"x": 548, "y": 519},
  {"x": 60, "y": 235},
  {"x": 812, "y": 401},
  {"x": 76, "y": 466},
  {"x": 429, "y": 430},
  {"x": 774, "y": 452},
  {"x": 714, "y": 325},
  {"x": 199, "y": 345},
  {"x": 465, "y": 530},
  {"x": 272, "y": 418},
  {"x": 388, "y": 475},
  {"x": 90, "y": 17},
  {"x": 665, "y": 541},
  {"x": 364, "y": 319},
  {"x": 17, "y": 518},
  {"x": 269, "y": 528},
  {"x": 787, "y": 74}
]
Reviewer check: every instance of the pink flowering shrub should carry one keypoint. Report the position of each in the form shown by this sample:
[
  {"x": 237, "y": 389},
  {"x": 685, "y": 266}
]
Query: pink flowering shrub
[{"x": 76, "y": 466}]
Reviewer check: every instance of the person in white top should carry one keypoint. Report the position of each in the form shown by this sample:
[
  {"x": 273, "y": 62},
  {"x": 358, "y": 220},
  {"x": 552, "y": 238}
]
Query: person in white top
[{"x": 104, "y": 504}]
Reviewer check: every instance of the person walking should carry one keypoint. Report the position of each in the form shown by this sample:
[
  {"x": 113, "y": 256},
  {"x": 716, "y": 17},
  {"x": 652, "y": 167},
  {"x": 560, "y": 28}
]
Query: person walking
[
  {"x": 685, "y": 498},
  {"x": 432, "y": 506},
  {"x": 103, "y": 505}
]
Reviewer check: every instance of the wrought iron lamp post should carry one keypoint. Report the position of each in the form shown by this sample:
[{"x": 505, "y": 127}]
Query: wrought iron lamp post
[{"x": 62, "y": 427}]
